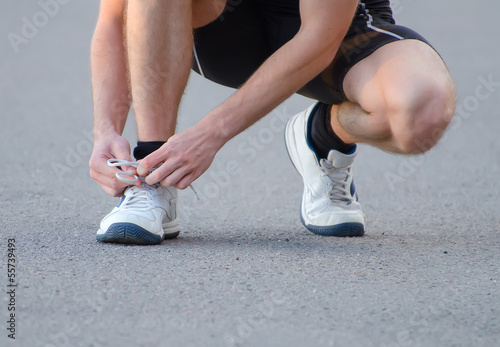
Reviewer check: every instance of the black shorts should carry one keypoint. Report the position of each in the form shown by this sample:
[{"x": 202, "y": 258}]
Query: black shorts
[{"x": 230, "y": 49}]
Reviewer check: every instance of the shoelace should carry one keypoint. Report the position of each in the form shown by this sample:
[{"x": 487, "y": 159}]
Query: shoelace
[
  {"x": 138, "y": 198},
  {"x": 131, "y": 178},
  {"x": 340, "y": 192}
]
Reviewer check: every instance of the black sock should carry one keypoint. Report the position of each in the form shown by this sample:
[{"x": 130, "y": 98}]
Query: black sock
[
  {"x": 321, "y": 135},
  {"x": 145, "y": 148}
]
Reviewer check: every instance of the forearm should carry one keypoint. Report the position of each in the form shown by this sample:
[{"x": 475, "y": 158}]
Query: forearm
[
  {"x": 109, "y": 79},
  {"x": 278, "y": 78},
  {"x": 324, "y": 25}
]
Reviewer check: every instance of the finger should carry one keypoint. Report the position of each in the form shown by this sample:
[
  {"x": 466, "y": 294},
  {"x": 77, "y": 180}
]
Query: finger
[
  {"x": 163, "y": 171},
  {"x": 149, "y": 162},
  {"x": 172, "y": 179},
  {"x": 131, "y": 170},
  {"x": 186, "y": 181},
  {"x": 100, "y": 165},
  {"x": 107, "y": 175},
  {"x": 110, "y": 182},
  {"x": 112, "y": 185},
  {"x": 112, "y": 190},
  {"x": 124, "y": 154},
  {"x": 129, "y": 180},
  {"x": 121, "y": 150},
  {"x": 100, "y": 169}
]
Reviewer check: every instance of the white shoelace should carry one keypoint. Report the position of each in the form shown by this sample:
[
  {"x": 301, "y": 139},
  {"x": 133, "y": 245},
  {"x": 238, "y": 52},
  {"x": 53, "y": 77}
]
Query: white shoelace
[
  {"x": 138, "y": 199},
  {"x": 131, "y": 178},
  {"x": 340, "y": 192}
]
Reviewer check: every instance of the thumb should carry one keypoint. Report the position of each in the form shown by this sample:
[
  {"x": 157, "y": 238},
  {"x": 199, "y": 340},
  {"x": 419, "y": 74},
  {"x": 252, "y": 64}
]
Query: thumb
[
  {"x": 149, "y": 162},
  {"x": 122, "y": 152},
  {"x": 124, "y": 156}
]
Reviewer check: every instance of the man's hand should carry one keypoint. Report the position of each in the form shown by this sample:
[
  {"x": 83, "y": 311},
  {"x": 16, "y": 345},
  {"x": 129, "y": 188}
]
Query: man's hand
[
  {"x": 108, "y": 147},
  {"x": 185, "y": 156}
]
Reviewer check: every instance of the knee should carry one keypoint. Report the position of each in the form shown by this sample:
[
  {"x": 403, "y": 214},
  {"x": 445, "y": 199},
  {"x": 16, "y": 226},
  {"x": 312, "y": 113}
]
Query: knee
[{"x": 419, "y": 115}]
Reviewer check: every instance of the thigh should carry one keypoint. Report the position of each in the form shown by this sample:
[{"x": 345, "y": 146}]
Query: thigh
[
  {"x": 395, "y": 75},
  {"x": 360, "y": 44},
  {"x": 231, "y": 48}
]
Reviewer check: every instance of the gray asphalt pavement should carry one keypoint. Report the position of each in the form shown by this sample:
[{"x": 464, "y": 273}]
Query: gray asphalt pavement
[{"x": 244, "y": 272}]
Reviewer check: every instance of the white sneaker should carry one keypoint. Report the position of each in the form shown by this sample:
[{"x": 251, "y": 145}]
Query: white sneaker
[
  {"x": 329, "y": 204},
  {"x": 146, "y": 215}
]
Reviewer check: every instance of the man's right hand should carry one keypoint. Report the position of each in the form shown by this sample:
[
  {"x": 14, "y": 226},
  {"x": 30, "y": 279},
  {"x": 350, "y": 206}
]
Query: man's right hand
[{"x": 110, "y": 146}]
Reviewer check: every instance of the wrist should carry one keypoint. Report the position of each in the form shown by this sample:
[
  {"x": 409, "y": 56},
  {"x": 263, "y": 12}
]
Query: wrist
[
  {"x": 102, "y": 132},
  {"x": 216, "y": 128},
  {"x": 108, "y": 123},
  {"x": 223, "y": 121}
]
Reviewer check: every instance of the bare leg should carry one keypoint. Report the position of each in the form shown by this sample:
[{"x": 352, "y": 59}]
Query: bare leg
[
  {"x": 159, "y": 43},
  {"x": 401, "y": 99}
]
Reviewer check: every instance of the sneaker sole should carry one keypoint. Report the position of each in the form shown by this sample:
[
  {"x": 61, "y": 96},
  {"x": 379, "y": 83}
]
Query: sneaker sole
[
  {"x": 129, "y": 233},
  {"x": 338, "y": 230}
]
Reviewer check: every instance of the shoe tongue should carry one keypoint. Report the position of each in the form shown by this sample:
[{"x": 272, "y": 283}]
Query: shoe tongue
[{"x": 339, "y": 159}]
